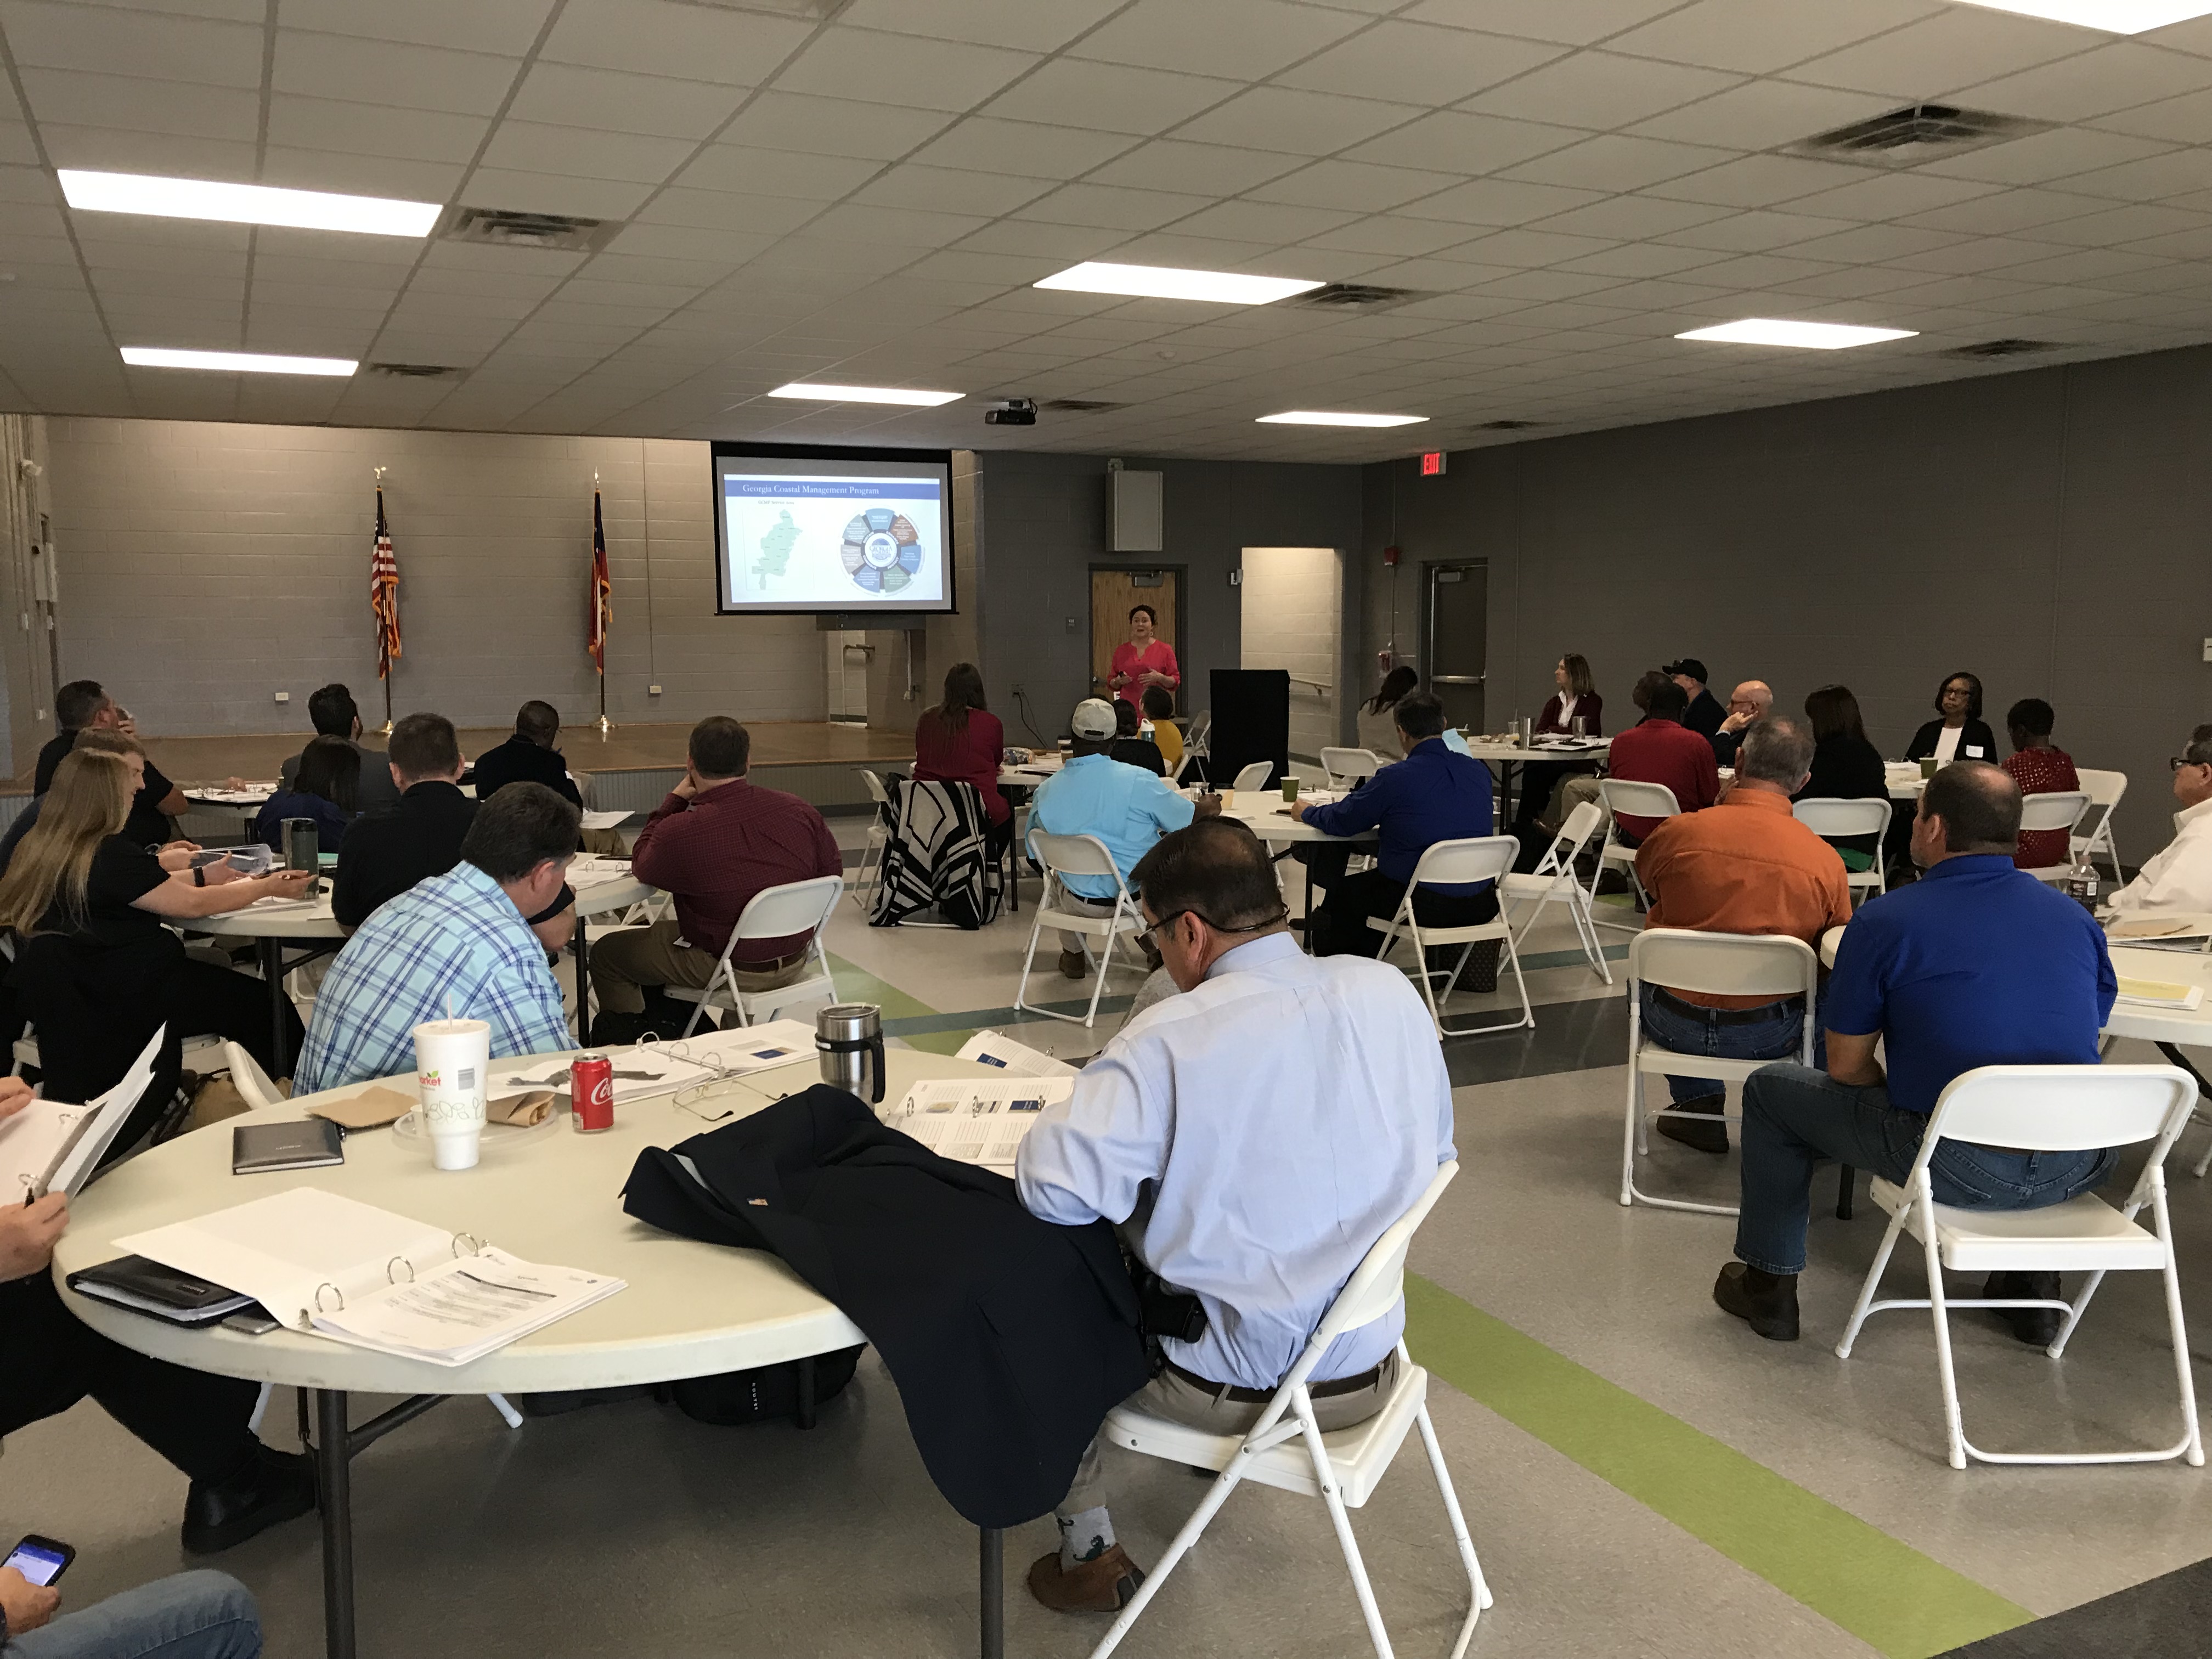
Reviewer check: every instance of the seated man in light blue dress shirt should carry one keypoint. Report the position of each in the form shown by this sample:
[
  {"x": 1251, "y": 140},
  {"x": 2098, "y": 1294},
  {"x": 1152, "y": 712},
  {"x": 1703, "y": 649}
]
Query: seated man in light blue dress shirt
[
  {"x": 456, "y": 942},
  {"x": 1126, "y": 807},
  {"x": 1252, "y": 1138}
]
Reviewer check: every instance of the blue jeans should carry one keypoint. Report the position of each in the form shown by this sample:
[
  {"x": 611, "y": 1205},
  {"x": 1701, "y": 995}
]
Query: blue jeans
[
  {"x": 1776, "y": 1037},
  {"x": 188, "y": 1615},
  {"x": 1796, "y": 1118}
]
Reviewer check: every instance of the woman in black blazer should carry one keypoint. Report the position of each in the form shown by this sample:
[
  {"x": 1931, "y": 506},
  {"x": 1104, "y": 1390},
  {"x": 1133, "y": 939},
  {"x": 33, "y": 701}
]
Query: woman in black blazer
[
  {"x": 1845, "y": 766},
  {"x": 1959, "y": 703}
]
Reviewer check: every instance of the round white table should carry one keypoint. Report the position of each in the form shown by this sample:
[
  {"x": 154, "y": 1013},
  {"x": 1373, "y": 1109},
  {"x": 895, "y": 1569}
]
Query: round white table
[
  {"x": 1267, "y": 815},
  {"x": 274, "y": 923},
  {"x": 546, "y": 1195}
]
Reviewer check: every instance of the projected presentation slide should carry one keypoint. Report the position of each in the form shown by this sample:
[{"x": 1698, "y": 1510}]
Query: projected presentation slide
[{"x": 832, "y": 533}]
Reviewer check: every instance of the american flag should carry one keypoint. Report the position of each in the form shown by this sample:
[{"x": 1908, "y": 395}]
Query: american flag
[
  {"x": 383, "y": 593},
  {"x": 602, "y": 591}
]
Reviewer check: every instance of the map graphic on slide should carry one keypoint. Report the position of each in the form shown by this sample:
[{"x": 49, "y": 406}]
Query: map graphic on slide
[
  {"x": 775, "y": 551},
  {"x": 881, "y": 550}
]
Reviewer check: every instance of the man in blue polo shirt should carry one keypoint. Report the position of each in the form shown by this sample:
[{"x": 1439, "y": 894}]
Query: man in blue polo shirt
[
  {"x": 1432, "y": 795},
  {"x": 1126, "y": 807},
  {"x": 1976, "y": 964}
]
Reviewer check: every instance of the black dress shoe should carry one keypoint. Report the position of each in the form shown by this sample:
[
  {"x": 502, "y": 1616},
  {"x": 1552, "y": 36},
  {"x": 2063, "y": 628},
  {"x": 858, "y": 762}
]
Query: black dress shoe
[
  {"x": 611, "y": 1030},
  {"x": 275, "y": 1487},
  {"x": 1765, "y": 1302},
  {"x": 2037, "y": 1326},
  {"x": 1702, "y": 1137}
]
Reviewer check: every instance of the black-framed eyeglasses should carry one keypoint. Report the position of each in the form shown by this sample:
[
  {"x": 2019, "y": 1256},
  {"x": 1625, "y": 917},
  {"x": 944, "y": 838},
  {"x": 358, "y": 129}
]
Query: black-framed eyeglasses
[
  {"x": 2175, "y": 762},
  {"x": 1256, "y": 927}
]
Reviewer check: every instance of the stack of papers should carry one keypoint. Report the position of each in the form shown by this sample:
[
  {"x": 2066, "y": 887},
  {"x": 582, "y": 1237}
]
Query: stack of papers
[
  {"x": 51, "y": 1146},
  {"x": 976, "y": 1120},
  {"x": 2161, "y": 993},
  {"x": 605, "y": 820},
  {"x": 1018, "y": 1058},
  {"x": 2188, "y": 935},
  {"x": 587, "y": 871},
  {"x": 460, "y": 1310}
]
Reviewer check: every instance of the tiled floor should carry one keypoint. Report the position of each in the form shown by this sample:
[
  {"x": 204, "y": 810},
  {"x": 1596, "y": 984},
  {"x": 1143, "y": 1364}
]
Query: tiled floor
[{"x": 1643, "y": 1475}]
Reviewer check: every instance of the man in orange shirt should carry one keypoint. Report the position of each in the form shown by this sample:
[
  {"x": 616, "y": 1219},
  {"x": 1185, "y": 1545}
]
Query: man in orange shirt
[{"x": 1744, "y": 865}]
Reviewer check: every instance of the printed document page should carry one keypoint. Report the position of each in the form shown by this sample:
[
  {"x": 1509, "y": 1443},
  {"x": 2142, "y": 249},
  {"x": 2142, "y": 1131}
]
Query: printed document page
[{"x": 976, "y": 1120}]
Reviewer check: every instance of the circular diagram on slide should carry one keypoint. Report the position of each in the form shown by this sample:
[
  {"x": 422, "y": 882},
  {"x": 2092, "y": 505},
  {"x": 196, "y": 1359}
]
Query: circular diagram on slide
[{"x": 882, "y": 550}]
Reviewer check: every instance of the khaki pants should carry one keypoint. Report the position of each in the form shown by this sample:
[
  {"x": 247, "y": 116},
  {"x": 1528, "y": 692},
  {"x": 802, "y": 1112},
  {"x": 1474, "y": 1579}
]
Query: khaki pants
[
  {"x": 628, "y": 959},
  {"x": 1572, "y": 793},
  {"x": 1181, "y": 1400},
  {"x": 1081, "y": 905}
]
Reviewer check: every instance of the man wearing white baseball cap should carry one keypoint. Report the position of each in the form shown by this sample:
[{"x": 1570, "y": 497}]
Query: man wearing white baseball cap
[{"x": 1126, "y": 807}]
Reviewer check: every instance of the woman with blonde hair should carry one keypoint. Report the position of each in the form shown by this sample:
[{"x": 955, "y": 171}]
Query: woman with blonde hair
[{"x": 97, "y": 968}]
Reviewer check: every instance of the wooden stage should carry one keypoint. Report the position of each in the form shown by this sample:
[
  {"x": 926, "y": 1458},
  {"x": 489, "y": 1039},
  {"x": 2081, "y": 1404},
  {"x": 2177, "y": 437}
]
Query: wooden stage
[{"x": 642, "y": 748}]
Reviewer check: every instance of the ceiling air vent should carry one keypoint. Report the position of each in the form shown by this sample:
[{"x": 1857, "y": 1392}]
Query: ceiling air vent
[
  {"x": 1918, "y": 132},
  {"x": 1507, "y": 426},
  {"x": 1079, "y": 405},
  {"x": 418, "y": 371},
  {"x": 1354, "y": 296},
  {"x": 1983, "y": 349},
  {"x": 503, "y": 227}
]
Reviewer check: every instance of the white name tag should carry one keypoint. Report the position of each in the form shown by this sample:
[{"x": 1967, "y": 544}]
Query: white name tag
[{"x": 1973, "y": 752}]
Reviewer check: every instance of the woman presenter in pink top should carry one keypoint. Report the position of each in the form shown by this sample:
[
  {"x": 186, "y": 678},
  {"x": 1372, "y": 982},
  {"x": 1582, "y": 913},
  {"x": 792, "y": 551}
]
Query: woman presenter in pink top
[{"x": 1143, "y": 660}]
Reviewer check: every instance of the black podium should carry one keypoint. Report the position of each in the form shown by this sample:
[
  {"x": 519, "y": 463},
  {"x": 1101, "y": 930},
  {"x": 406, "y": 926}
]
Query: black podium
[{"x": 1251, "y": 722}]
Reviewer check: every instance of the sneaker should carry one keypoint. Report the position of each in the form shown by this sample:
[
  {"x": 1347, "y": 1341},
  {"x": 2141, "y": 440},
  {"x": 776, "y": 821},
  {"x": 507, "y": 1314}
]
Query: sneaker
[
  {"x": 1102, "y": 1584},
  {"x": 1073, "y": 964},
  {"x": 1765, "y": 1302},
  {"x": 1700, "y": 1137},
  {"x": 274, "y": 1486}
]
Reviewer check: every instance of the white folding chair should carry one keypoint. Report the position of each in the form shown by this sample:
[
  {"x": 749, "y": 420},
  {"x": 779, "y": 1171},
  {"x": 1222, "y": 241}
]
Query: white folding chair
[
  {"x": 1287, "y": 1450},
  {"x": 1198, "y": 735},
  {"x": 1833, "y": 818},
  {"x": 1063, "y": 856},
  {"x": 1638, "y": 800},
  {"x": 1769, "y": 965},
  {"x": 2094, "y": 836},
  {"x": 1254, "y": 776},
  {"x": 870, "y": 876},
  {"x": 2044, "y": 1109},
  {"x": 796, "y": 907},
  {"x": 1346, "y": 767},
  {"x": 2062, "y": 811},
  {"x": 1454, "y": 863},
  {"x": 247, "y": 1076},
  {"x": 1554, "y": 878}
]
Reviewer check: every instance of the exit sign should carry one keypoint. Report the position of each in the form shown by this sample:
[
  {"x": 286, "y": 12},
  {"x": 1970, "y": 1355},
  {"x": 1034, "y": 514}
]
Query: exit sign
[{"x": 1432, "y": 465}]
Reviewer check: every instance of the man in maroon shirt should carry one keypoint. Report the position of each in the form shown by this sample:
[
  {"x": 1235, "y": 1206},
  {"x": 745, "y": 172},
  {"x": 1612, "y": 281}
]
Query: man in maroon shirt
[
  {"x": 1660, "y": 749},
  {"x": 714, "y": 842}
]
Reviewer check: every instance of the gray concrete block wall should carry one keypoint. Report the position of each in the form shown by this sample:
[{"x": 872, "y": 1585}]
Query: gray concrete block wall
[{"x": 206, "y": 566}]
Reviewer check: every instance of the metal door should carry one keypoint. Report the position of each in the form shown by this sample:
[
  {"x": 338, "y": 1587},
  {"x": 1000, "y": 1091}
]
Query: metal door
[{"x": 1459, "y": 638}]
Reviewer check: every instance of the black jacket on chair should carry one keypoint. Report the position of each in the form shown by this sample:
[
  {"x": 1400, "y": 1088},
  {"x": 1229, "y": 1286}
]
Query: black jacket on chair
[
  {"x": 1010, "y": 1338},
  {"x": 1975, "y": 734}
]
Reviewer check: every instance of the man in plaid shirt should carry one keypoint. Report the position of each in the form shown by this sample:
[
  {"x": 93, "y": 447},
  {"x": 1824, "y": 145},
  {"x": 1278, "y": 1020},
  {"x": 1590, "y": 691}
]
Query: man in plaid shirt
[{"x": 457, "y": 941}]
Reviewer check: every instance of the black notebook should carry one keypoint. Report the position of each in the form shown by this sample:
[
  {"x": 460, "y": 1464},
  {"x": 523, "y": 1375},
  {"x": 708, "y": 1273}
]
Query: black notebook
[
  {"x": 148, "y": 1287},
  {"x": 259, "y": 1148}
]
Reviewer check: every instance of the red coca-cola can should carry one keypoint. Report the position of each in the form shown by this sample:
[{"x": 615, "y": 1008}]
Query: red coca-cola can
[{"x": 591, "y": 1092}]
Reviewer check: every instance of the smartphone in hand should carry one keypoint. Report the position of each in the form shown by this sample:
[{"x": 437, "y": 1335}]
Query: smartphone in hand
[{"x": 41, "y": 1560}]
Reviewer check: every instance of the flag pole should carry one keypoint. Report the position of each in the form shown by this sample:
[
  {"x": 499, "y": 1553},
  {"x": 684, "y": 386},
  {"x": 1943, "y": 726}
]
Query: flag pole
[
  {"x": 386, "y": 675},
  {"x": 600, "y": 608}
]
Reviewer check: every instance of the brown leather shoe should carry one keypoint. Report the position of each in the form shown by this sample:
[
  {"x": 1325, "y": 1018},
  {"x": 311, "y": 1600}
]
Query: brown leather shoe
[
  {"x": 1102, "y": 1584},
  {"x": 1765, "y": 1302},
  {"x": 1073, "y": 964}
]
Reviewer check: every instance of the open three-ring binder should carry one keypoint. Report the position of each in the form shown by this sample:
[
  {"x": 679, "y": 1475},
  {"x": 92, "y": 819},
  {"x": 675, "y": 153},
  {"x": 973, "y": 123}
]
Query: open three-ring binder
[{"x": 335, "y": 1267}]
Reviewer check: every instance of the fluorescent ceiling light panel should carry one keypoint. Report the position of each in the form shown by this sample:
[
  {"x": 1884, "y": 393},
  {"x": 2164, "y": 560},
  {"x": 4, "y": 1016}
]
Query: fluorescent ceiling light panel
[
  {"x": 866, "y": 394},
  {"x": 244, "y": 204},
  {"x": 1320, "y": 418},
  {"x": 1811, "y": 336},
  {"x": 2113, "y": 16},
  {"x": 1226, "y": 288},
  {"x": 236, "y": 362}
]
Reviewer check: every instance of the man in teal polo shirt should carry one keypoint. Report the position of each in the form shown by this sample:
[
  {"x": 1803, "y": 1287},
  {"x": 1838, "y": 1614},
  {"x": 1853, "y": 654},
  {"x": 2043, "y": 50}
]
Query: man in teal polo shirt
[
  {"x": 1976, "y": 964},
  {"x": 1126, "y": 808}
]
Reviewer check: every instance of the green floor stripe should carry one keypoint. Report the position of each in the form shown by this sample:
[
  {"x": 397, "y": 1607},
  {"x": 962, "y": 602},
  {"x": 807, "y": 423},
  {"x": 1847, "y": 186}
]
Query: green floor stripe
[
  {"x": 1886, "y": 1592},
  {"x": 858, "y": 985}
]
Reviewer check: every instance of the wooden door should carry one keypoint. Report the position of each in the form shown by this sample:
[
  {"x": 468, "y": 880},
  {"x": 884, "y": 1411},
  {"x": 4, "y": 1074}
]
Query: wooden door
[{"x": 1113, "y": 593}]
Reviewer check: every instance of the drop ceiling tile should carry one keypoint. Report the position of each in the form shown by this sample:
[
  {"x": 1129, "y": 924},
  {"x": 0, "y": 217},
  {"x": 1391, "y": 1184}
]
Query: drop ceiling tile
[
  {"x": 1354, "y": 187},
  {"x": 1616, "y": 163},
  {"x": 1643, "y": 259},
  {"x": 1891, "y": 195},
  {"x": 612, "y": 100},
  {"x": 410, "y": 77},
  {"x": 104, "y": 40},
  {"x": 1761, "y": 115},
  {"x": 1025, "y": 149},
  {"x": 111, "y": 149},
  {"x": 120, "y": 103},
  {"x": 1028, "y": 25},
  {"x": 2048, "y": 157},
  {"x": 2156, "y": 178},
  {"x": 776, "y": 173},
  {"x": 523, "y": 191},
  {"x": 661, "y": 37},
  {"x": 1600, "y": 90},
  {"x": 1173, "y": 164},
  {"x": 900, "y": 234},
  {"x": 1064, "y": 245},
  {"x": 1449, "y": 141},
  {"x": 951, "y": 190},
  {"x": 353, "y": 172},
  {"x": 1752, "y": 232},
  {"x": 1267, "y": 223},
  {"x": 297, "y": 123},
  {"x": 1390, "y": 234},
  {"x": 1110, "y": 207},
  {"x": 1529, "y": 248},
  {"x": 2117, "y": 226},
  {"x": 2186, "y": 120},
  {"x": 1757, "y": 36},
  {"x": 2118, "y": 76},
  {"x": 727, "y": 210},
  {"x": 1499, "y": 201},
  {"x": 1298, "y": 123},
  {"x": 833, "y": 126},
  {"x": 946, "y": 75},
  {"x": 1417, "y": 64},
  {"x": 1872, "y": 244},
  {"x": 1760, "y": 181},
  {"x": 1571, "y": 22},
  {"x": 1109, "y": 97},
  {"x": 2011, "y": 212},
  {"x": 1245, "y": 39},
  {"x": 629, "y": 157},
  {"x": 1959, "y": 47},
  {"x": 1630, "y": 218}
]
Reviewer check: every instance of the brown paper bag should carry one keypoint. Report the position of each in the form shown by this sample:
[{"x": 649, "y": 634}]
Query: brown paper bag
[
  {"x": 371, "y": 1109},
  {"x": 522, "y": 1111}
]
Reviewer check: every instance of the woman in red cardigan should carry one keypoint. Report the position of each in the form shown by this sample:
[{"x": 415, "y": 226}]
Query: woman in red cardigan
[
  {"x": 1142, "y": 660},
  {"x": 960, "y": 741}
]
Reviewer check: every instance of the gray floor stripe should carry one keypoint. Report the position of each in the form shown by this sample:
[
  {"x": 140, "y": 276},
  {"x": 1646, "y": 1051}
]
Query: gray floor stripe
[
  {"x": 1569, "y": 1037},
  {"x": 2162, "y": 1618}
]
